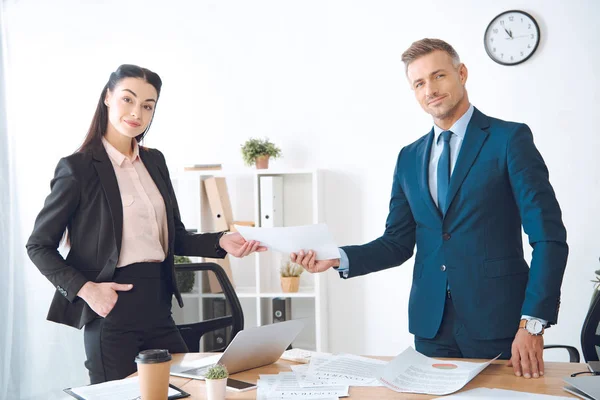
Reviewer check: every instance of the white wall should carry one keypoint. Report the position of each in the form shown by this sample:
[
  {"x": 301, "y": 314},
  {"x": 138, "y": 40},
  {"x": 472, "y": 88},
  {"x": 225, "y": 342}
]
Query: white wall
[{"x": 324, "y": 80}]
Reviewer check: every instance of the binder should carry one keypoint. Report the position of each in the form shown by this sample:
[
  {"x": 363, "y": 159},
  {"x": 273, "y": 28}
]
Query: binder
[
  {"x": 218, "y": 199},
  {"x": 271, "y": 201}
]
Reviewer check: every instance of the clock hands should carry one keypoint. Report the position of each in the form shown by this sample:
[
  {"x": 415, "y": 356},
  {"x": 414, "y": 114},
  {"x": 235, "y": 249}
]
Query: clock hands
[
  {"x": 509, "y": 33},
  {"x": 515, "y": 37}
]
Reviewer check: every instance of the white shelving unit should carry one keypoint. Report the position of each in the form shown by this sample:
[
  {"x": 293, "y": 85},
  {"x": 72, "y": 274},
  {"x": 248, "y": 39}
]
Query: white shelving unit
[{"x": 257, "y": 277}]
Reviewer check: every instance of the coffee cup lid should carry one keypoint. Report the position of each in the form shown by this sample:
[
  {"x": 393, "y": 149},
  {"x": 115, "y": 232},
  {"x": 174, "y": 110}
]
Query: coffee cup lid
[{"x": 153, "y": 356}]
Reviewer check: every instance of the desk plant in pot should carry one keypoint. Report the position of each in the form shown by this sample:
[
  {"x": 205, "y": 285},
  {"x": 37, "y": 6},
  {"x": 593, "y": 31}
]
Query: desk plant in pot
[
  {"x": 185, "y": 279},
  {"x": 216, "y": 382},
  {"x": 290, "y": 276},
  {"x": 258, "y": 152}
]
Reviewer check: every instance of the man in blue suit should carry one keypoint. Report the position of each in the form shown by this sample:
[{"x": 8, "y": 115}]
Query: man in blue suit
[{"x": 461, "y": 193}]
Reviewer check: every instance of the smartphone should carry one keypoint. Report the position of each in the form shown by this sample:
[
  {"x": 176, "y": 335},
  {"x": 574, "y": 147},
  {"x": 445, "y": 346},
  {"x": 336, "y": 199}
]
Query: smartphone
[{"x": 239, "y": 386}]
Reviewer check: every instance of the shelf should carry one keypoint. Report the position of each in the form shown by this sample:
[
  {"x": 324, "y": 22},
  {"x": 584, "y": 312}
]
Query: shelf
[
  {"x": 282, "y": 171},
  {"x": 247, "y": 293},
  {"x": 302, "y": 292},
  {"x": 242, "y": 292}
]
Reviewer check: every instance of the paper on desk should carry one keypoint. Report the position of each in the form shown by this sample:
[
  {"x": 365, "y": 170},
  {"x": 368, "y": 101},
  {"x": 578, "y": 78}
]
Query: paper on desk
[
  {"x": 342, "y": 369},
  {"x": 285, "y": 386},
  {"x": 299, "y": 355},
  {"x": 124, "y": 389},
  {"x": 501, "y": 394},
  {"x": 292, "y": 239},
  {"x": 412, "y": 372}
]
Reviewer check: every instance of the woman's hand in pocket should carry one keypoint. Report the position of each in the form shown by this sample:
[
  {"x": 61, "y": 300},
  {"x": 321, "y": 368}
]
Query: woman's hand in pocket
[{"x": 102, "y": 297}]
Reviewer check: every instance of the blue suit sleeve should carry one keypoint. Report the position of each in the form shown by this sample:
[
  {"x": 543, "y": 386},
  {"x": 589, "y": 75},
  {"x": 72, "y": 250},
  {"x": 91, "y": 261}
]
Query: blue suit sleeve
[
  {"x": 397, "y": 243},
  {"x": 542, "y": 221}
]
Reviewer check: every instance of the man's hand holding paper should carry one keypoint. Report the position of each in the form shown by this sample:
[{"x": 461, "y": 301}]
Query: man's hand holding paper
[{"x": 309, "y": 261}]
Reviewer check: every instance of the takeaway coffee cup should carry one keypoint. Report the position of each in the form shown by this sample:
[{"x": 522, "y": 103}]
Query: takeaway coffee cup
[{"x": 153, "y": 371}]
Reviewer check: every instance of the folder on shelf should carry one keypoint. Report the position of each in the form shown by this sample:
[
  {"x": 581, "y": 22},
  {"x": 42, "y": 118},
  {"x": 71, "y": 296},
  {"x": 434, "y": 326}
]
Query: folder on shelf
[
  {"x": 232, "y": 227},
  {"x": 271, "y": 201},
  {"x": 218, "y": 199}
]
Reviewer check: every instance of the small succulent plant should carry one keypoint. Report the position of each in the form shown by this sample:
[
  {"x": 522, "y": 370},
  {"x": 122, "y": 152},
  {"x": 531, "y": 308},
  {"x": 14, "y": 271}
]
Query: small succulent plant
[
  {"x": 217, "y": 371},
  {"x": 289, "y": 268}
]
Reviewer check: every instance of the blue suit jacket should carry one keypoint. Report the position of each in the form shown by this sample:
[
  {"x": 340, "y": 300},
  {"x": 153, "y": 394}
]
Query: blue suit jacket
[{"x": 499, "y": 183}]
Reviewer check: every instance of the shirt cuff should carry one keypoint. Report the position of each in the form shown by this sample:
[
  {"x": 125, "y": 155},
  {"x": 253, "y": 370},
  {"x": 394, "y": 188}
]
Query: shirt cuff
[
  {"x": 221, "y": 252},
  {"x": 528, "y": 317},
  {"x": 344, "y": 268}
]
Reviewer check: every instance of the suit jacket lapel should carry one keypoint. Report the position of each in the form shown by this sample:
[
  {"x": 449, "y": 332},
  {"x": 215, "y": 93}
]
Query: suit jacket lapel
[
  {"x": 423, "y": 156},
  {"x": 161, "y": 184},
  {"x": 475, "y": 136},
  {"x": 109, "y": 183}
]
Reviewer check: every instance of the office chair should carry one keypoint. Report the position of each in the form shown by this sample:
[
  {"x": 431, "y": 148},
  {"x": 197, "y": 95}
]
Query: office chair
[
  {"x": 192, "y": 333},
  {"x": 590, "y": 333},
  {"x": 590, "y": 336}
]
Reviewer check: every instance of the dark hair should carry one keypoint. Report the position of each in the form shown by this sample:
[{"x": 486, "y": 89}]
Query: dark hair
[
  {"x": 423, "y": 47},
  {"x": 100, "y": 121}
]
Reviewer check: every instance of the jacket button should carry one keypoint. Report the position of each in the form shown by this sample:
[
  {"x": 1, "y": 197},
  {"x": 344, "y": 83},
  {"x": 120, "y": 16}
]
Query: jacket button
[
  {"x": 443, "y": 268},
  {"x": 446, "y": 236}
]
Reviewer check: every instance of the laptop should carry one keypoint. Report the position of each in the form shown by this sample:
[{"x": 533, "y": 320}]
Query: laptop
[
  {"x": 250, "y": 348},
  {"x": 586, "y": 387}
]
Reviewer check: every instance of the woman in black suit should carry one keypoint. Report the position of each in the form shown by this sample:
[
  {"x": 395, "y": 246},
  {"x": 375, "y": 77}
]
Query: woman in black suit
[{"x": 115, "y": 201}]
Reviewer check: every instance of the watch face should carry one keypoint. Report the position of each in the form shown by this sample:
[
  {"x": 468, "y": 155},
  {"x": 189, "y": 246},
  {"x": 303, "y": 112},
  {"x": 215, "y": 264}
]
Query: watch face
[
  {"x": 512, "y": 37},
  {"x": 534, "y": 326}
]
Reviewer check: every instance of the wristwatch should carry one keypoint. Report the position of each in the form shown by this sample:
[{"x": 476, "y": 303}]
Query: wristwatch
[{"x": 532, "y": 326}]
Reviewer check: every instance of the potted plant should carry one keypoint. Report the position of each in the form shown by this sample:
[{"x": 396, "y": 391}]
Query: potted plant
[
  {"x": 290, "y": 276},
  {"x": 216, "y": 382},
  {"x": 258, "y": 152},
  {"x": 185, "y": 279}
]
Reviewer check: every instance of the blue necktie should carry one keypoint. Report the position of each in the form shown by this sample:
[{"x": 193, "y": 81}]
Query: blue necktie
[{"x": 443, "y": 172}]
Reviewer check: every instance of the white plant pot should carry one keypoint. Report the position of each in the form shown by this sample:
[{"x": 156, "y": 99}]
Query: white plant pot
[{"x": 216, "y": 388}]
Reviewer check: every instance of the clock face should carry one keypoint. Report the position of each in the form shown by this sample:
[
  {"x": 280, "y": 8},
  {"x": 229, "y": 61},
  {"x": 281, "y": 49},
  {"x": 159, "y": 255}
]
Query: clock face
[
  {"x": 512, "y": 37},
  {"x": 534, "y": 326}
]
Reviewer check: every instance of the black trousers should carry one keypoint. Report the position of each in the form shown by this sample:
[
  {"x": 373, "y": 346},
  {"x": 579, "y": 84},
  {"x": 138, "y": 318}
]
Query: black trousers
[
  {"x": 140, "y": 320},
  {"x": 453, "y": 340}
]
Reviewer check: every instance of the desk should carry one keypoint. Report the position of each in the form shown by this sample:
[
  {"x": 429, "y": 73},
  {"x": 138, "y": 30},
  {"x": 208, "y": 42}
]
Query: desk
[{"x": 497, "y": 375}]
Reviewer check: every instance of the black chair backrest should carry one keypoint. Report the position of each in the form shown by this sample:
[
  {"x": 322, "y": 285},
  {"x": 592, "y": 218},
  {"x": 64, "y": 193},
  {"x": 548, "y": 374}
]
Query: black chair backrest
[
  {"x": 192, "y": 333},
  {"x": 590, "y": 333}
]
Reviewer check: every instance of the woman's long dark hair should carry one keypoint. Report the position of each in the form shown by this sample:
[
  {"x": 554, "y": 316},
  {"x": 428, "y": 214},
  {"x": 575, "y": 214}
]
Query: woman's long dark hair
[{"x": 100, "y": 121}]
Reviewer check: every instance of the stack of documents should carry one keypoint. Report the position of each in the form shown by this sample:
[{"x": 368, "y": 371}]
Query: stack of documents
[
  {"x": 341, "y": 369},
  {"x": 285, "y": 386},
  {"x": 300, "y": 355},
  {"x": 412, "y": 372}
]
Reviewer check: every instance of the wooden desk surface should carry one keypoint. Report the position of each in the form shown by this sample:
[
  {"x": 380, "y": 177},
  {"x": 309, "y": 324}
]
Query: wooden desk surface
[{"x": 497, "y": 375}]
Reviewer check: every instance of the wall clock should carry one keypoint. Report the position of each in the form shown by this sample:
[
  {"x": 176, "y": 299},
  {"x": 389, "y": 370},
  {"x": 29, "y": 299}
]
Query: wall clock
[{"x": 512, "y": 37}]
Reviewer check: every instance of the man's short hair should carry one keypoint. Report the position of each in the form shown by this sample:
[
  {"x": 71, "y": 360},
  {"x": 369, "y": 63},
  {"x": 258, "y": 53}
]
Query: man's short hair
[{"x": 425, "y": 46}]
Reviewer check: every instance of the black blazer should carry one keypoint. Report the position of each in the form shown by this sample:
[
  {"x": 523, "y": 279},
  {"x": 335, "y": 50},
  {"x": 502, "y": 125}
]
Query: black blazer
[{"x": 85, "y": 199}]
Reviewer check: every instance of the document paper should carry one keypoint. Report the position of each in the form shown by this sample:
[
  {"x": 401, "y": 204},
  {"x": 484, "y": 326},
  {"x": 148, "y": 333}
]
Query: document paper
[
  {"x": 285, "y": 386},
  {"x": 342, "y": 369},
  {"x": 294, "y": 238},
  {"x": 412, "y": 372},
  {"x": 124, "y": 389}
]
